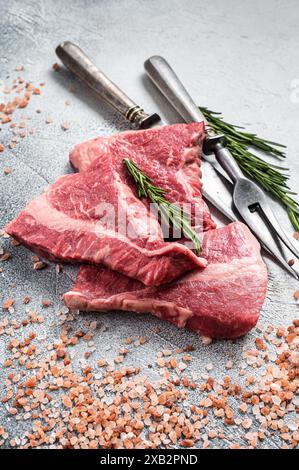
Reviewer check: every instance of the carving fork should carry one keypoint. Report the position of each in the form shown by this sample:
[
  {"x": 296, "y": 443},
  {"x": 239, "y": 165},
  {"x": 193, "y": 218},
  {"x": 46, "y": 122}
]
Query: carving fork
[{"x": 248, "y": 197}]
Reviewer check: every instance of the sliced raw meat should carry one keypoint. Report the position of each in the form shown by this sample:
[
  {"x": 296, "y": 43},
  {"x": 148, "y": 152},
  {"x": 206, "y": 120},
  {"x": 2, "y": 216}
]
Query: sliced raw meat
[
  {"x": 223, "y": 301},
  {"x": 170, "y": 155},
  {"x": 76, "y": 219}
]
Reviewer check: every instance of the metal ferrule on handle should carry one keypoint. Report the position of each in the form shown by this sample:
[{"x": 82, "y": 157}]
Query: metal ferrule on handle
[{"x": 77, "y": 61}]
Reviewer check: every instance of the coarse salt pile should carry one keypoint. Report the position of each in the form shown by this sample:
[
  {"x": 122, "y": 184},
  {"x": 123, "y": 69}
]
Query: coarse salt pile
[
  {"x": 19, "y": 94},
  {"x": 107, "y": 405}
]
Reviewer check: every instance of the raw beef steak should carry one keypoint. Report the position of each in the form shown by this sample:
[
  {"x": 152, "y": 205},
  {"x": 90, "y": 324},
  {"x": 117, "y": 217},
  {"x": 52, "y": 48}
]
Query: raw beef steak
[
  {"x": 170, "y": 155},
  {"x": 69, "y": 221},
  {"x": 223, "y": 301}
]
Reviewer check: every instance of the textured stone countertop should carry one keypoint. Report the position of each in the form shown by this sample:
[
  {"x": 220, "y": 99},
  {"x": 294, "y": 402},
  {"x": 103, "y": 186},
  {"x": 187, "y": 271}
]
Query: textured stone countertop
[{"x": 237, "y": 57}]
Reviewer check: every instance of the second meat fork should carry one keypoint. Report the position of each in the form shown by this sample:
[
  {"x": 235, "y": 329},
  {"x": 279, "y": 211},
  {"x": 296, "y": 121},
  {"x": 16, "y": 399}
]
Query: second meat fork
[{"x": 248, "y": 198}]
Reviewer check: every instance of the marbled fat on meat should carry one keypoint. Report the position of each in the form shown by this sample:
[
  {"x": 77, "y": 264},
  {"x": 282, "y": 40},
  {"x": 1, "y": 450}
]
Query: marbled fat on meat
[
  {"x": 222, "y": 301},
  {"x": 68, "y": 221},
  {"x": 170, "y": 155}
]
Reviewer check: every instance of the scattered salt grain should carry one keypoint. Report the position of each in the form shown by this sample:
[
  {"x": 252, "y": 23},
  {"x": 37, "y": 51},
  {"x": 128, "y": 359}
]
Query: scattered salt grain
[
  {"x": 243, "y": 407},
  {"x": 292, "y": 425},
  {"x": 294, "y": 358},
  {"x": 38, "y": 265},
  {"x": 65, "y": 126},
  {"x": 276, "y": 400},
  {"x": 246, "y": 423},
  {"x": 206, "y": 340}
]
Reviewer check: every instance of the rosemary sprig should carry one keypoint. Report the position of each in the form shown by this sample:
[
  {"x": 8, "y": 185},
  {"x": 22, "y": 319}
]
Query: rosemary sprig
[
  {"x": 169, "y": 212},
  {"x": 271, "y": 177}
]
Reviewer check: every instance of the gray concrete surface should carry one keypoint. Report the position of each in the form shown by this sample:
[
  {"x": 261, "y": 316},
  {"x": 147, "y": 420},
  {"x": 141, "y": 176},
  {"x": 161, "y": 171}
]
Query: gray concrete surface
[{"x": 237, "y": 57}]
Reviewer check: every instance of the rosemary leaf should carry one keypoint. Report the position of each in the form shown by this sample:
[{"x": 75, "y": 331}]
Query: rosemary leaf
[
  {"x": 294, "y": 218},
  {"x": 169, "y": 212},
  {"x": 273, "y": 178}
]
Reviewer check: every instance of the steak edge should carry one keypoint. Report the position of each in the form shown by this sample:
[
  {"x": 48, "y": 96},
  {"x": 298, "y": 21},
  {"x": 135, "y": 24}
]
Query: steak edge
[
  {"x": 222, "y": 301},
  {"x": 68, "y": 222}
]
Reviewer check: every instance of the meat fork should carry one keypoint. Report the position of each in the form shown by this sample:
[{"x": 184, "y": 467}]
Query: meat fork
[{"x": 248, "y": 198}]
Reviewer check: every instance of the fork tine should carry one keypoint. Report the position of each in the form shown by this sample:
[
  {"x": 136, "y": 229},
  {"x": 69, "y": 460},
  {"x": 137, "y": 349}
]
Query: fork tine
[
  {"x": 272, "y": 220},
  {"x": 266, "y": 240}
]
